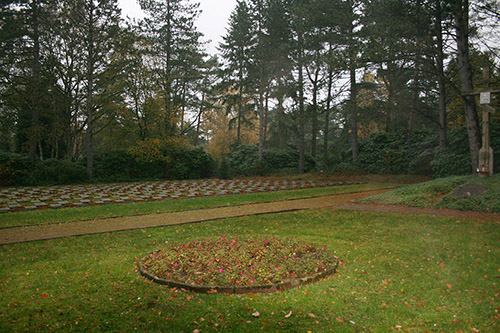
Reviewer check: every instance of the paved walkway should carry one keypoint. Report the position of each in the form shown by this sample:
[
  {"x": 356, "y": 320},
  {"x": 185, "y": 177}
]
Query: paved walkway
[
  {"x": 51, "y": 231},
  {"x": 14, "y": 199}
]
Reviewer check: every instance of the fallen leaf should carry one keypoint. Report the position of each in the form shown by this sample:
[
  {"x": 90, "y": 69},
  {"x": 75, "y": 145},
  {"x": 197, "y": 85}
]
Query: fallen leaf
[
  {"x": 44, "y": 295},
  {"x": 399, "y": 327},
  {"x": 196, "y": 331},
  {"x": 385, "y": 281},
  {"x": 288, "y": 315},
  {"x": 442, "y": 264},
  {"x": 340, "y": 320},
  {"x": 312, "y": 315},
  {"x": 449, "y": 285},
  {"x": 256, "y": 314}
]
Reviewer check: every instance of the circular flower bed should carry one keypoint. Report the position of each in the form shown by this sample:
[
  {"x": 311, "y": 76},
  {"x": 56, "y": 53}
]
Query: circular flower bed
[{"x": 234, "y": 265}]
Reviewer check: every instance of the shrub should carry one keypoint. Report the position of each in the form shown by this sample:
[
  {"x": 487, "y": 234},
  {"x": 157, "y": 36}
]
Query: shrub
[
  {"x": 114, "y": 166},
  {"x": 455, "y": 158},
  {"x": 15, "y": 169},
  {"x": 173, "y": 158},
  {"x": 383, "y": 153},
  {"x": 244, "y": 161},
  {"x": 391, "y": 153},
  {"x": 54, "y": 171},
  {"x": 224, "y": 170},
  {"x": 192, "y": 163}
]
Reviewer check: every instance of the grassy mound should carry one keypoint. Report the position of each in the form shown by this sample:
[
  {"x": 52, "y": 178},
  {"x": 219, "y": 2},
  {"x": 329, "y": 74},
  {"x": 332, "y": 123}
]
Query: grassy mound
[
  {"x": 231, "y": 261},
  {"x": 440, "y": 193}
]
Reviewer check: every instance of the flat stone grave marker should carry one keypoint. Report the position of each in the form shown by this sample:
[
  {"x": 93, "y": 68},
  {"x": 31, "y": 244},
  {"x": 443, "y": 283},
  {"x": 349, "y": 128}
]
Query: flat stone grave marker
[{"x": 469, "y": 190}]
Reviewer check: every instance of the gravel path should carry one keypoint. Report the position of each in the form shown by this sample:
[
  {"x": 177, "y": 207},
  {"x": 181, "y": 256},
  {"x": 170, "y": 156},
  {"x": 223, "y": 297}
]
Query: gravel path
[{"x": 344, "y": 201}]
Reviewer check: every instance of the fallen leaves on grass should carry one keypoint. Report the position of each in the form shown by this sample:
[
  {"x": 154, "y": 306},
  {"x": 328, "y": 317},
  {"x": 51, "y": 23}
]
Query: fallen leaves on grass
[{"x": 230, "y": 261}]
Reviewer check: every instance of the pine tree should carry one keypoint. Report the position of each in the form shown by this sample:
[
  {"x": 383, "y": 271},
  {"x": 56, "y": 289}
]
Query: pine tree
[
  {"x": 238, "y": 52},
  {"x": 175, "y": 51},
  {"x": 99, "y": 31}
]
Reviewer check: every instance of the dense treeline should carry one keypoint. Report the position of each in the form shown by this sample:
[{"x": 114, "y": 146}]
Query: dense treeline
[{"x": 348, "y": 84}]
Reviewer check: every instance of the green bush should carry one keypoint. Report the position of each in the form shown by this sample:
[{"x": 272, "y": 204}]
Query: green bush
[
  {"x": 224, "y": 170},
  {"x": 192, "y": 163},
  {"x": 392, "y": 153},
  {"x": 455, "y": 158},
  {"x": 383, "y": 153},
  {"x": 54, "y": 171},
  {"x": 114, "y": 166},
  {"x": 244, "y": 161},
  {"x": 15, "y": 169},
  {"x": 171, "y": 160}
]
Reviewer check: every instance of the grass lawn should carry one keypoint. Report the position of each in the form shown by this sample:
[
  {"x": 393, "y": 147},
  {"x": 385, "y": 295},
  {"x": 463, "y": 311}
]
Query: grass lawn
[
  {"x": 399, "y": 272},
  {"x": 437, "y": 193},
  {"x": 155, "y": 207}
]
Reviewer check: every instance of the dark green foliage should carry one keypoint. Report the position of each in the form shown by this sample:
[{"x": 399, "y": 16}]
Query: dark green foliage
[
  {"x": 182, "y": 163},
  {"x": 243, "y": 161},
  {"x": 176, "y": 162},
  {"x": 191, "y": 163},
  {"x": 15, "y": 169},
  {"x": 117, "y": 166},
  {"x": 53, "y": 171},
  {"x": 382, "y": 153},
  {"x": 390, "y": 153},
  {"x": 224, "y": 171},
  {"x": 455, "y": 159}
]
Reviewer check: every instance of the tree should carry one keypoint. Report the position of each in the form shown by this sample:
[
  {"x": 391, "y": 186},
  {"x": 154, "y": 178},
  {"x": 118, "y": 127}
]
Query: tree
[
  {"x": 299, "y": 25},
  {"x": 460, "y": 10},
  {"x": 175, "y": 53},
  {"x": 99, "y": 32},
  {"x": 279, "y": 63},
  {"x": 238, "y": 54}
]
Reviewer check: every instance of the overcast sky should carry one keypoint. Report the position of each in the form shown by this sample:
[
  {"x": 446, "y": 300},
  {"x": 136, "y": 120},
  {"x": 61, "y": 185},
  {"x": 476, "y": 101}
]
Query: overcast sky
[{"x": 212, "y": 21}]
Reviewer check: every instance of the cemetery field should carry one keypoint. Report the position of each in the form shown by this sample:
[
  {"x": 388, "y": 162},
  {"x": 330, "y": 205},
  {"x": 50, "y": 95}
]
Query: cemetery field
[
  {"x": 90, "y": 212},
  {"x": 397, "y": 272}
]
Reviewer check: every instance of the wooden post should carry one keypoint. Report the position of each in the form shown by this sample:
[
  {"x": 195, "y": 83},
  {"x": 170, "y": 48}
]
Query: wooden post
[{"x": 486, "y": 153}]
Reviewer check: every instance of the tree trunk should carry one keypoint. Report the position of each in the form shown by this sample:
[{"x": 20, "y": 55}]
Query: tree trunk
[
  {"x": 240, "y": 107},
  {"x": 34, "y": 135},
  {"x": 314, "y": 114},
  {"x": 266, "y": 115},
  {"x": 465, "y": 69},
  {"x": 414, "y": 97},
  {"x": 353, "y": 102},
  {"x": 261, "y": 113},
  {"x": 198, "y": 121},
  {"x": 89, "y": 106},
  {"x": 354, "y": 116},
  {"x": 281, "y": 123},
  {"x": 441, "y": 78},
  {"x": 183, "y": 108},
  {"x": 302, "y": 143},
  {"x": 327, "y": 118},
  {"x": 416, "y": 78}
]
